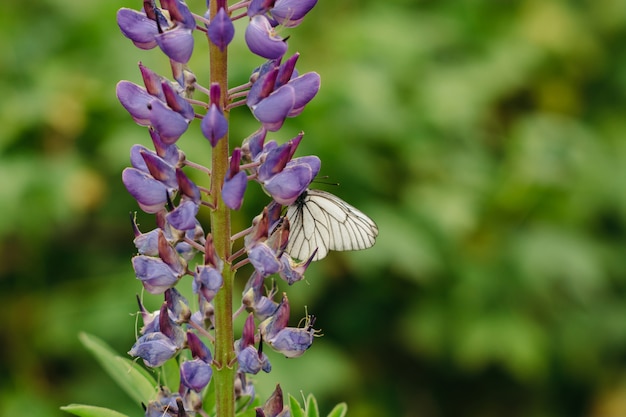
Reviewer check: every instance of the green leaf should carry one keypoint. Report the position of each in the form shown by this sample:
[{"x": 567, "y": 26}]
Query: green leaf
[
  {"x": 340, "y": 410},
  {"x": 312, "y": 409},
  {"x": 91, "y": 411},
  {"x": 294, "y": 406},
  {"x": 170, "y": 372},
  {"x": 133, "y": 379}
]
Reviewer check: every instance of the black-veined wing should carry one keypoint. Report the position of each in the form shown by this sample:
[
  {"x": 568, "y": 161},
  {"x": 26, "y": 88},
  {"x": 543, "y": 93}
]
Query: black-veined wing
[{"x": 322, "y": 221}]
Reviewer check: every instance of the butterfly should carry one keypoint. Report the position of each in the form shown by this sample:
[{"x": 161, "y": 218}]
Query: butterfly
[{"x": 320, "y": 220}]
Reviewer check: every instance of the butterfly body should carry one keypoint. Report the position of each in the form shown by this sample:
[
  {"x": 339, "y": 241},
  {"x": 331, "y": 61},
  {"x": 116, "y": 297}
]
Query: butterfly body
[{"x": 320, "y": 220}]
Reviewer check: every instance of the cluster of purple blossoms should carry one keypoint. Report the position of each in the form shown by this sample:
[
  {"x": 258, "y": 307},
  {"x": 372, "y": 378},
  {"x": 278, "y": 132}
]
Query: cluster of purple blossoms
[{"x": 158, "y": 179}]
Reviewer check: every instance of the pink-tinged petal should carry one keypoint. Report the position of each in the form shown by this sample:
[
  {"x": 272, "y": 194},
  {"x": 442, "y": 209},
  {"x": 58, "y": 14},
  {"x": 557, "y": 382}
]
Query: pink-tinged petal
[
  {"x": 179, "y": 13},
  {"x": 135, "y": 100},
  {"x": 290, "y": 13},
  {"x": 176, "y": 102},
  {"x": 152, "y": 81},
  {"x": 159, "y": 169},
  {"x": 275, "y": 161},
  {"x": 286, "y": 70},
  {"x": 221, "y": 30},
  {"x": 177, "y": 44},
  {"x": 262, "y": 40},
  {"x": 306, "y": 87},
  {"x": 262, "y": 87},
  {"x": 167, "y": 122},
  {"x": 214, "y": 125},
  {"x": 260, "y": 7},
  {"x": 149, "y": 193},
  {"x": 137, "y": 27},
  {"x": 273, "y": 110}
]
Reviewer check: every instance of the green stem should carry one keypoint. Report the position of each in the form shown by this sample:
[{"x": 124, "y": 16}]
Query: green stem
[{"x": 225, "y": 359}]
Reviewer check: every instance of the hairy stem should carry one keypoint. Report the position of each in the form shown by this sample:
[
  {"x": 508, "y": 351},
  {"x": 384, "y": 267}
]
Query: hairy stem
[{"x": 225, "y": 363}]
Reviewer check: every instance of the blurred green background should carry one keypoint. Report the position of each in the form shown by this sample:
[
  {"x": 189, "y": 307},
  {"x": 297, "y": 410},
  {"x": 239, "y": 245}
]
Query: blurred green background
[{"x": 486, "y": 138}]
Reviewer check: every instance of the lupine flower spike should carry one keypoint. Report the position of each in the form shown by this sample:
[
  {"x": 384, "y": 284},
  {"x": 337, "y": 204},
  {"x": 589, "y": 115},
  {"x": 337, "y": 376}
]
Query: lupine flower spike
[{"x": 192, "y": 242}]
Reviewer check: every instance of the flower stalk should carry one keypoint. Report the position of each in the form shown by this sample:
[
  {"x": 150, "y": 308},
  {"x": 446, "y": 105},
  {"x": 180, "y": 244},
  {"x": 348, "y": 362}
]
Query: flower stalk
[{"x": 200, "y": 336}]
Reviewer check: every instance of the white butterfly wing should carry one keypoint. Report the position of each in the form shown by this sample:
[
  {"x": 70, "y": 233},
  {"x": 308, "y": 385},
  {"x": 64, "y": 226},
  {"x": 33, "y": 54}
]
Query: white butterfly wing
[{"x": 323, "y": 221}]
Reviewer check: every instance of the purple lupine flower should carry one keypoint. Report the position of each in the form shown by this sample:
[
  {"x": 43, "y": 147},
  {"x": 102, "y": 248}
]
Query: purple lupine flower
[
  {"x": 252, "y": 298},
  {"x": 221, "y": 30},
  {"x": 292, "y": 271},
  {"x": 183, "y": 217},
  {"x": 196, "y": 374},
  {"x": 286, "y": 186},
  {"x": 154, "y": 274},
  {"x": 177, "y": 306},
  {"x": 263, "y": 259},
  {"x": 151, "y": 27},
  {"x": 262, "y": 40},
  {"x": 290, "y": 13},
  {"x": 274, "y": 109},
  {"x": 290, "y": 341},
  {"x": 251, "y": 360},
  {"x": 154, "y": 348}
]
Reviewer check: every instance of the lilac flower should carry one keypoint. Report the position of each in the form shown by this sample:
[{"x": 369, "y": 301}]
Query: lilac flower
[
  {"x": 183, "y": 217},
  {"x": 286, "y": 186},
  {"x": 262, "y": 40},
  {"x": 149, "y": 193}
]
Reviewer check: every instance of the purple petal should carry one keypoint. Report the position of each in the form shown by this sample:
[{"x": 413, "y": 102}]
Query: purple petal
[
  {"x": 263, "y": 259},
  {"x": 214, "y": 125},
  {"x": 195, "y": 374},
  {"x": 179, "y": 13},
  {"x": 183, "y": 217},
  {"x": 152, "y": 81},
  {"x": 292, "y": 342},
  {"x": 137, "y": 27},
  {"x": 207, "y": 281},
  {"x": 177, "y": 44},
  {"x": 167, "y": 122},
  {"x": 262, "y": 87},
  {"x": 286, "y": 187},
  {"x": 306, "y": 87},
  {"x": 149, "y": 193},
  {"x": 176, "y": 102},
  {"x": 159, "y": 169},
  {"x": 274, "y": 162},
  {"x": 154, "y": 349},
  {"x": 286, "y": 70},
  {"x": 135, "y": 100},
  {"x": 221, "y": 30},
  {"x": 234, "y": 189},
  {"x": 260, "y": 7},
  {"x": 273, "y": 110},
  {"x": 262, "y": 40},
  {"x": 136, "y": 157},
  {"x": 290, "y": 13},
  {"x": 154, "y": 274}
]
